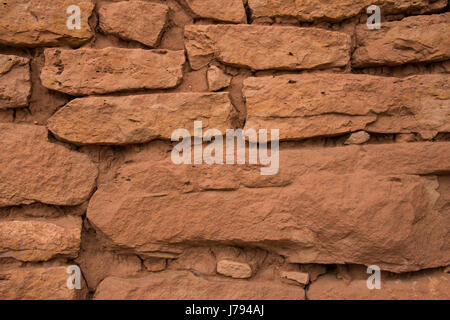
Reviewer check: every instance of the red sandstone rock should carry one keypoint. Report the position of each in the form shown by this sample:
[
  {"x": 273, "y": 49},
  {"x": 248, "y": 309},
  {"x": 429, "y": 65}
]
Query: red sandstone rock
[
  {"x": 139, "y": 118},
  {"x": 266, "y": 47},
  {"x": 227, "y": 11},
  {"x": 310, "y": 10},
  {"x": 119, "y": 19},
  {"x": 34, "y": 170},
  {"x": 414, "y": 39},
  {"x": 15, "y": 86},
  {"x": 94, "y": 71},
  {"x": 234, "y": 269},
  {"x": 43, "y": 22},
  {"x": 299, "y": 218},
  {"x": 326, "y": 104},
  {"x": 186, "y": 286},
  {"x": 40, "y": 240}
]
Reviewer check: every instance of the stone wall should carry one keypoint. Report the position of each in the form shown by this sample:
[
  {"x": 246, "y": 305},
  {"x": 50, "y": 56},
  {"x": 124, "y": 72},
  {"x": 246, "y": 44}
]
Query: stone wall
[{"x": 87, "y": 179}]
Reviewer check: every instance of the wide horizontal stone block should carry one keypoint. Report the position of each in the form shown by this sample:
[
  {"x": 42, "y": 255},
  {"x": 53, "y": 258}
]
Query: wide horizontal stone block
[
  {"x": 336, "y": 11},
  {"x": 362, "y": 205},
  {"x": 36, "y": 240},
  {"x": 37, "y": 283},
  {"x": 139, "y": 118},
  {"x": 227, "y": 11},
  {"x": 35, "y": 23},
  {"x": 411, "y": 40},
  {"x": 34, "y": 170},
  {"x": 327, "y": 104},
  {"x": 15, "y": 85},
  {"x": 426, "y": 285},
  {"x": 266, "y": 47},
  {"x": 119, "y": 19},
  {"x": 97, "y": 71},
  {"x": 186, "y": 286}
]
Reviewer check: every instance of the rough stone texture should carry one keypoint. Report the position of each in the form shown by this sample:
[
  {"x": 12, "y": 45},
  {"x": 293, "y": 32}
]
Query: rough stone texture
[
  {"x": 35, "y": 23},
  {"x": 300, "y": 277},
  {"x": 266, "y": 47},
  {"x": 186, "y": 286},
  {"x": 37, "y": 283},
  {"x": 15, "y": 85},
  {"x": 217, "y": 79},
  {"x": 299, "y": 218},
  {"x": 234, "y": 269},
  {"x": 155, "y": 264},
  {"x": 226, "y": 11},
  {"x": 119, "y": 19},
  {"x": 429, "y": 285},
  {"x": 310, "y": 105},
  {"x": 414, "y": 39},
  {"x": 139, "y": 118},
  {"x": 35, "y": 240},
  {"x": 311, "y": 10},
  {"x": 34, "y": 170},
  {"x": 359, "y": 137},
  {"x": 96, "y": 71}
]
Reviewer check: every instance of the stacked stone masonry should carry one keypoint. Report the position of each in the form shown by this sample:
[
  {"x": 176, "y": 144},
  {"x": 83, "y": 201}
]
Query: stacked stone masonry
[{"x": 89, "y": 105}]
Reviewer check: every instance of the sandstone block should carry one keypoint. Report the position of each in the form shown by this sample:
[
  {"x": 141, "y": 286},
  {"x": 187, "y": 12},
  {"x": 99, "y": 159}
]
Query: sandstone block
[
  {"x": 266, "y": 47},
  {"x": 34, "y": 170},
  {"x": 185, "y": 286},
  {"x": 119, "y": 19},
  {"x": 310, "y": 105},
  {"x": 139, "y": 118},
  {"x": 15, "y": 85},
  {"x": 300, "y": 277},
  {"x": 96, "y": 71},
  {"x": 309, "y": 11},
  {"x": 217, "y": 79},
  {"x": 234, "y": 269},
  {"x": 35, "y": 240},
  {"x": 413, "y": 39},
  {"x": 35, "y": 23},
  {"x": 226, "y": 11}
]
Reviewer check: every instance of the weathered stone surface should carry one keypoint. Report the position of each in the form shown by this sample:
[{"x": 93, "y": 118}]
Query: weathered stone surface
[
  {"x": 226, "y": 11},
  {"x": 217, "y": 79},
  {"x": 40, "y": 240},
  {"x": 96, "y": 71},
  {"x": 34, "y": 170},
  {"x": 299, "y": 217},
  {"x": 311, "y": 10},
  {"x": 186, "y": 286},
  {"x": 359, "y": 137},
  {"x": 309, "y": 105},
  {"x": 139, "y": 118},
  {"x": 43, "y": 22},
  {"x": 300, "y": 277},
  {"x": 234, "y": 269},
  {"x": 413, "y": 39},
  {"x": 37, "y": 283},
  {"x": 119, "y": 19},
  {"x": 155, "y": 264},
  {"x": 266, "y": 47},
  {"x": 15, "y": 85},
  {"x": 427, "y": 285}
]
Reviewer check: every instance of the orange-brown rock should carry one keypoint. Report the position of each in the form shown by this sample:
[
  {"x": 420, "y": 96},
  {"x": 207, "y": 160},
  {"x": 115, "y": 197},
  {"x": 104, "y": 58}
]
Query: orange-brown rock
[
  {"x": 35, "y": 23},
  {"x": 15, "y": 85},
  {"x": 299, "y": 277},
  {"x": 324, "y": 206},
  {"x": 95, "y": 71},
  {"x": 266, "y": 47},
  {"x": 310, "y": 105},
  {"x": 427, "y": 285},
  {"x": 413, "y": 39},
  {"x": 217, "y": 79},
  {"x": 234, "y": 269},
  {"x": 32, "y": 169},
  {"x": 119, "y": 19},
  {"x": 179, "y": 285},
  {"x": 40, "y": 240},
  {"x": 311, "y": 10},
  {"x": 37, "y": 283},
  {"x": 139, "y": 118},
  {"x": 226, "y": 11}
]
